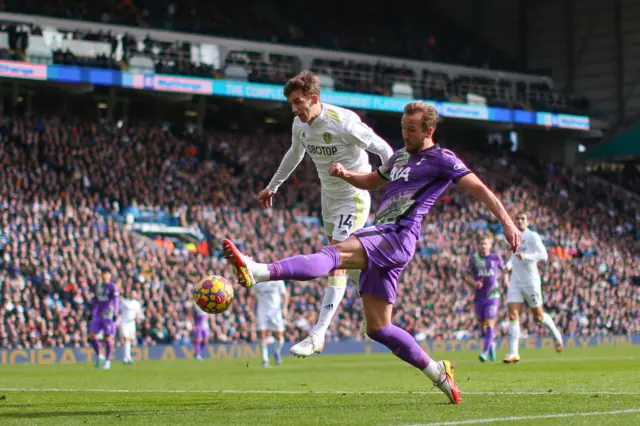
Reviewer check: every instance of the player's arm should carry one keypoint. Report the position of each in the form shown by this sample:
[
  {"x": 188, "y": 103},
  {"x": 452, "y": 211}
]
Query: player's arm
[
  {"x": 471, "y": 282},
  {"x": 474, "y": 186},
  {"x": 360, "y": 134},
  {"x": 468, "y": 278},
  {"x": 539, "y": 253},
  {"x": 289, "y": 162},
  {"x": 361, "y": 180}
]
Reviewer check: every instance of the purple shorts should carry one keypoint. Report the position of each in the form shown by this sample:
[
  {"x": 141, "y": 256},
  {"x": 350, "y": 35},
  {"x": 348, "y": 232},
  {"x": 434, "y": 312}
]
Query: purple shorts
[
  {"x": 107, "y": 326},
  {"x": 389, "y": 250},
  {"x": 487, "y": 308},
  {"x": 200, "y": 334}
]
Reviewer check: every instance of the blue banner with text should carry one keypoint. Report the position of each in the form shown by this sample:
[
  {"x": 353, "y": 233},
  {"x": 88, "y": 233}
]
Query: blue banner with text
[{"x": 240, "y": 89}]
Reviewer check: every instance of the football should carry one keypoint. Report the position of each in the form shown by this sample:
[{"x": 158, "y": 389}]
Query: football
[{"x": 213, "y": 294}]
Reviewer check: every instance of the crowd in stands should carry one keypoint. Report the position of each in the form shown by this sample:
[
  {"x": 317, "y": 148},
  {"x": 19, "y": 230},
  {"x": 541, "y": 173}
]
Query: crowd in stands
[
  {"x": 68, "y": 187},
  {"x": 288, "y": 23}
]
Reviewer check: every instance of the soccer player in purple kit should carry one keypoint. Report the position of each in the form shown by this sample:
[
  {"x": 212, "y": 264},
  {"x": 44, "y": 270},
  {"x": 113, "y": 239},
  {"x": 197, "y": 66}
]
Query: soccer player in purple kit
[
  {"x": 104, "y": 311},
  {"x": 483, "y": 272},
  {"x": 415, "y": 177},
  {"x": 200, "y": 334}
]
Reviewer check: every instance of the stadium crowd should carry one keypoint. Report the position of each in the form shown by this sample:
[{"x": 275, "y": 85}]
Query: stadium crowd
[{"x": 67, "y": 184}]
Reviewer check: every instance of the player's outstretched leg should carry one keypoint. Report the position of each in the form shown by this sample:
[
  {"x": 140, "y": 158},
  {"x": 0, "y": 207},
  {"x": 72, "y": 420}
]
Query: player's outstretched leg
[
  {"x": 301, "y": 267},
  {"x": 544, "y": 318},
  {"x": 404, "y": 346}
]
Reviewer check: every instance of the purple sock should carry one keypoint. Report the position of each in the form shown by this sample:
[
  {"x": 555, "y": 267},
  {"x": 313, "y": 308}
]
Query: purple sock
[
  {"x": 109, "y": 346},
  {"x": 489, "y": 336},
  {"x": 306, "y": 267},
  {"x": 198, "y": 346},
  {"x": 96, "y": 346},
  {"x": 402, "y": 344}
]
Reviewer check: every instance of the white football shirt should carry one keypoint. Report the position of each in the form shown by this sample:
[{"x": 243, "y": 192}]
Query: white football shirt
[
  {"x": 337, "y": 135},
  {"x": 129, "y": 309},
  {"x": 269, "y": 295},
  {"x": 525, "y": 271}
]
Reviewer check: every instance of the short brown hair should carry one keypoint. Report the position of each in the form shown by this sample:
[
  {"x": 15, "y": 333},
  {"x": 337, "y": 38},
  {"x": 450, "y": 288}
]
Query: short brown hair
[
  {"x": 306, "y": 81},
  {"x": 429, "y": 113}
]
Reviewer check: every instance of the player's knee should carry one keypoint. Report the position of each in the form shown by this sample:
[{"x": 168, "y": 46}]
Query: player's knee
[{"x": 538, "y": 317}]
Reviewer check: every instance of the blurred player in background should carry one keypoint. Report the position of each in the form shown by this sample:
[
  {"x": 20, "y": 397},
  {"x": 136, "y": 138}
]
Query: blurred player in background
[
  {"x": 525, "y": 286},
  {"x": 329, "y": 134},
  {"x": 104, "y": 311},
  {"x": 271, "y": 303},
  {"x": 130, "y": 314},
  {"x": 482, "y": 276},
  {"x": 413, "y": 179},
  {"x": 200, "y": 334}
]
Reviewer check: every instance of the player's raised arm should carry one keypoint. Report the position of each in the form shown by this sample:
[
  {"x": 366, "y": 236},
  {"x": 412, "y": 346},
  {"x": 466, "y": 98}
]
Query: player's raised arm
[
  {"x": 473, "y": 185},
  {"x": 363, "y": 136},
  {"x": 361, "y": 180},
  {"x": 289, "y": 162}
]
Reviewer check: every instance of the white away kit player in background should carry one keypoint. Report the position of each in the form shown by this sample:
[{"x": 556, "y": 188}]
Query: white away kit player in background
[
  {"x": 330, "y": 135},
  {"x": 271, "y": 301},
  {"x": 525, "y": 286},
  {"x": 130, "y": 314}
]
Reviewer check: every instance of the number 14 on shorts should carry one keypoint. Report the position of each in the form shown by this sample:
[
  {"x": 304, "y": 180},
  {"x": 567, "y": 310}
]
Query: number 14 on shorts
[{"x": 346, "y": 221}]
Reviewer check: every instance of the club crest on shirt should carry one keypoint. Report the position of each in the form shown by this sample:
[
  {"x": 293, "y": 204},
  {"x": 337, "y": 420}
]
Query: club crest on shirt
[{"x": 327, "y": 137}]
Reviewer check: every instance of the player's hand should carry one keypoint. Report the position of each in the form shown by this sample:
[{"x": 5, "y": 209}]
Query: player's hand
[
  {"x": 265, "y": 198},
  {"x": 479, "y": 284},
  {"x": 513, "y": 236},
  {"x": 337, "y": 170}
]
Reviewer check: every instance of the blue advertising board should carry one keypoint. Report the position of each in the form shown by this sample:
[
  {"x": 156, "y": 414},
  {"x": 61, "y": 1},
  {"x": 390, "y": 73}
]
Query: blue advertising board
[{"x": 240, "y": 89}]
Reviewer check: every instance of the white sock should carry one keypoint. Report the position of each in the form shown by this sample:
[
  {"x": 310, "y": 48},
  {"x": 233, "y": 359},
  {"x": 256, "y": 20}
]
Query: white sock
[
  {"x": 279, "y": 343},
  {"x": 433, "y": 371},
  {"x": 127, "y": 351},
  {"x": 514, "y": 337},
  {"x": 548, "y": 321},
  {"x": 260, "y": 271},
  {"x": 265, "y": 350},
  {"x": 332, "y": 297}
]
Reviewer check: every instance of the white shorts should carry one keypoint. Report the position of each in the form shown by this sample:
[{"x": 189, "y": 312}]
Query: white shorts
[
  {"x": 269, "y": 320},
  {"x": 530, "y": 292},
  {"x": 342, "y": 217},
  {"x": 128, "y": 330}
]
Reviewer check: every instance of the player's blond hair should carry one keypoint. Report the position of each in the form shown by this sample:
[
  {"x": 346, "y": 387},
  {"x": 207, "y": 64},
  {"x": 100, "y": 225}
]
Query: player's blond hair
[
  {"x": 484, "y": 236},
  {"x": 429, "y": 113},
  {"x": 306, "y": 81}
]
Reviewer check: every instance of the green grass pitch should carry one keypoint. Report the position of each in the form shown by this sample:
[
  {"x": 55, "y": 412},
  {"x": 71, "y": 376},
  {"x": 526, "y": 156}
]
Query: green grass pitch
[{"x": 586, "y": 386}]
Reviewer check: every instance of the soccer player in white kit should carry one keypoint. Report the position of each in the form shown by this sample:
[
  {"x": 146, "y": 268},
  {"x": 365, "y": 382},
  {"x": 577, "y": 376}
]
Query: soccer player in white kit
[
  {"x": 329, "y": 134},
  {"x": 271, "y": 306},
  {"x": 130, "y": 313},
  {"x": 525, "y": 286}
]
